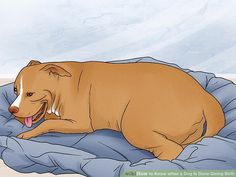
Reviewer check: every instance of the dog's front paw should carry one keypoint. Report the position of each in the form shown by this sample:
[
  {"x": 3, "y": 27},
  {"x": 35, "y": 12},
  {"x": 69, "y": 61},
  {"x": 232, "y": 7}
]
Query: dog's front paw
[{"x": 25, "y": 135}]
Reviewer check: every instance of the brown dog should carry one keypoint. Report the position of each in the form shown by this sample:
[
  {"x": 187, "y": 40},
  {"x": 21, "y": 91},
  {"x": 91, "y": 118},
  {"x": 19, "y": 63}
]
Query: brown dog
[{"x": 157, "y": 107}]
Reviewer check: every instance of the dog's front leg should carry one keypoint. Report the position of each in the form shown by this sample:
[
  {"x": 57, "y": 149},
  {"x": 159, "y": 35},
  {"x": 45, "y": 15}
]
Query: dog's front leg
[{"x": 61, "y": 126}]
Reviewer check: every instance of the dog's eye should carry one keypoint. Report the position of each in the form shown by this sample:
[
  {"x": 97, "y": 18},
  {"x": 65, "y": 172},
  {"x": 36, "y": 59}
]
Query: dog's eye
[
  {"x": 29, "y": 94},
  {"x": 15, "y": 89}
]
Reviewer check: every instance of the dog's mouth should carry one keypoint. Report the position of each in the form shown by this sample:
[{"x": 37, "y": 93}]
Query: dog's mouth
[{"x": 32, "y": 119}]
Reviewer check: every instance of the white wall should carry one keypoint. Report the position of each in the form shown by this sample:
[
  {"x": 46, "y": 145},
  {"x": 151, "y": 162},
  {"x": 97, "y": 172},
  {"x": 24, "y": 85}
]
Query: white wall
[{"x": 197, "y": 34}]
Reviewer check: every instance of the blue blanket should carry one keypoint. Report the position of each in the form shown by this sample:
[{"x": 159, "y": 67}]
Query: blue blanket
[{"x": 106, "y": 153}]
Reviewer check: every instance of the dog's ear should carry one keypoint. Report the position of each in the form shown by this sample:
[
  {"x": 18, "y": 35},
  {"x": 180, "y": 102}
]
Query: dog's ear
[
  {"x": 33, "y": 62},
  {"x": 56, "y": 70}
]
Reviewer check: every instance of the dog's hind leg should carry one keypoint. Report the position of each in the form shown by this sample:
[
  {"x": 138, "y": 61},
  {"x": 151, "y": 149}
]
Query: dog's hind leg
[
  {"x": 157, "y": 143},
  {"x": 140, "y": 132},
  {"x": 167, "y": 149}
]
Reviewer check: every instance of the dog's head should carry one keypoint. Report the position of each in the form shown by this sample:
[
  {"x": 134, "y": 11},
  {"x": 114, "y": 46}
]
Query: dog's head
[{"x": 35, "y": 87}]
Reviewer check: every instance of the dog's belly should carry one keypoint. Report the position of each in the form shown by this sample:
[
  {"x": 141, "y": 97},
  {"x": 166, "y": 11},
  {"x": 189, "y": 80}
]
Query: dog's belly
[
  {"x": 106, "y": 116},
  {"x": 107, "y": 106},
  {"x": 99, "y": 123}
]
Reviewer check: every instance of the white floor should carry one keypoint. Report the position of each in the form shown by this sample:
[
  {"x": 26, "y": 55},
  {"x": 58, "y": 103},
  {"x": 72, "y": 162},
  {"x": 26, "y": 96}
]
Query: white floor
[{"x": 7, "y": 172}]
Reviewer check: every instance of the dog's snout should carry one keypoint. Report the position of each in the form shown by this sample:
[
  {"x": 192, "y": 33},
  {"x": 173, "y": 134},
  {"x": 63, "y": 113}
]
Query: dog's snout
[{"x": 13, "y": 109}]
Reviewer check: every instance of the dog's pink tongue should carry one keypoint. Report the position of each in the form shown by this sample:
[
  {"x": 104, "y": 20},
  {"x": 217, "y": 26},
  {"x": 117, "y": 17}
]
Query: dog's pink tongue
[{"x": 29, "y": 121}]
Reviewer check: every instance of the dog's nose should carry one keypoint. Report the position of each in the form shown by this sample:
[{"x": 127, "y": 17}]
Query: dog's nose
[{"x": 13, "y": 109}]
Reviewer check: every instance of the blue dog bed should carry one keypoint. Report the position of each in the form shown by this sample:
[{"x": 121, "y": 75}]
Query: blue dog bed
[{"x": 106, "y": 153}]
